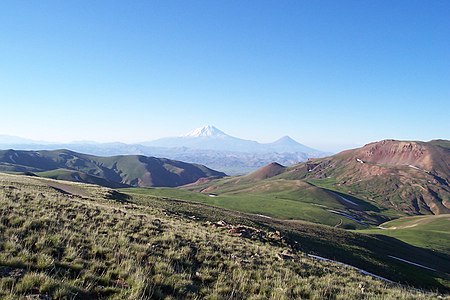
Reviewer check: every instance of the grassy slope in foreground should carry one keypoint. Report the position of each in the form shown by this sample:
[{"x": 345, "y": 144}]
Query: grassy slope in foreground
[
  {"x": 369, "y": 252},
  {"x": 85, "y": 245},
  {"x": 432, "y": 232}
]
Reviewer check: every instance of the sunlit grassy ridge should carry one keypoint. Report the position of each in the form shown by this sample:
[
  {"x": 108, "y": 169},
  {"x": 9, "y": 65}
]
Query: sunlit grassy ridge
[
  {"x": 431, "y": 232},
  {"x": 77, "y": 241}
]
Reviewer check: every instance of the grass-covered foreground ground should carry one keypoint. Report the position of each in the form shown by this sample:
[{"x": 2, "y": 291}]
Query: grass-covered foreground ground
[{"x": 63, "y": 240}]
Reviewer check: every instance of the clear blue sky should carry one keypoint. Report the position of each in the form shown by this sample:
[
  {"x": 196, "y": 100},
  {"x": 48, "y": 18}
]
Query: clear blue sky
[{"x": 327, "y": 73}]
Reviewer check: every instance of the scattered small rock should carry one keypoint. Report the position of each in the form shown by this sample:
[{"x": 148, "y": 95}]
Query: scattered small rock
[
  {"x": 248, "y": 232},
  {"x": 221, "y": 223},
  {"x": 285, "y": 255},
  {"x": 255, "y": 256},
  {"x": 275, "y": 235},
  {"x": 155, "y": 246}
]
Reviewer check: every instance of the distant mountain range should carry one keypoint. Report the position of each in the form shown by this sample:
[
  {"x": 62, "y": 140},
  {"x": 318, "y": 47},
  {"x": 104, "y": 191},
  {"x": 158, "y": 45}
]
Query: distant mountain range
[
  {"x": 113, "y": 171},
  {"x": 211, "y": 138},
  {"x": 206, "y": 145}
]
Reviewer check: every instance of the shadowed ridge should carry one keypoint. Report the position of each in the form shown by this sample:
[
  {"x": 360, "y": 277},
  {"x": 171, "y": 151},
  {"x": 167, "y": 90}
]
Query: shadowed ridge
[
  {"x": 113, "y": 171},
  {"x": 271, "y": 170}
]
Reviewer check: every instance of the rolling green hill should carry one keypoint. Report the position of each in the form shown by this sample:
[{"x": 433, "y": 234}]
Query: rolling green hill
[
  {"x": 291, "y": 205},
  {"x": 114, "y": 171},
  {"x": 282, "y": 198}
]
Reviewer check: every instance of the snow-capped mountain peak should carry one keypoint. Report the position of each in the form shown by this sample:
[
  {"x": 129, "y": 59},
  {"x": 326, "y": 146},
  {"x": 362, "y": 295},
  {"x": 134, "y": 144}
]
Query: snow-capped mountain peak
[{"x": 206, "y": 131}]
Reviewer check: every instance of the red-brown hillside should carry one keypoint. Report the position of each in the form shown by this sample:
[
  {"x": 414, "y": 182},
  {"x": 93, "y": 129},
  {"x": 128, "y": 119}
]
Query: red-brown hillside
[
  {"x": 419, "y": 155},
  {"x": 408, "y": 176}
]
